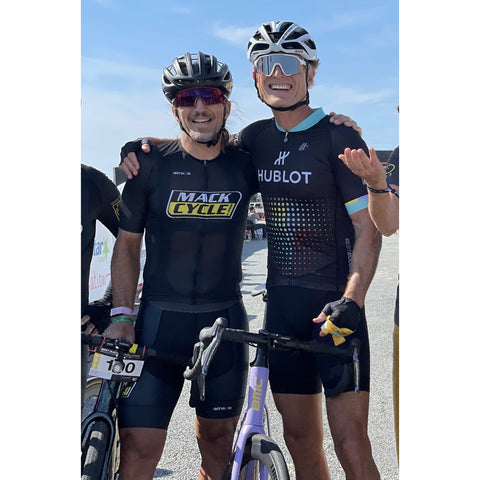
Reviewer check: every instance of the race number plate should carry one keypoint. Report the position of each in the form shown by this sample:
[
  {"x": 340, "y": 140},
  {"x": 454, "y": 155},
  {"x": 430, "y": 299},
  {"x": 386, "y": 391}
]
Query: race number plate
[{"x": 109, "y": 368}]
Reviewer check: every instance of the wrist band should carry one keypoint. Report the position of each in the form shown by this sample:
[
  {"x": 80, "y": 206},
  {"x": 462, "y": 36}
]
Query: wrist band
[
  {"x": 389, "y": 189},
  {"x": 121, "y": 318},
  {"x": 120, "y": 310}
]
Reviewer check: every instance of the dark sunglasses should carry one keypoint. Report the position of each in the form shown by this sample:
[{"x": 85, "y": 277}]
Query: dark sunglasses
[
  {"x": 209, "y": 96},
  {"x": 290, "y": 64}
]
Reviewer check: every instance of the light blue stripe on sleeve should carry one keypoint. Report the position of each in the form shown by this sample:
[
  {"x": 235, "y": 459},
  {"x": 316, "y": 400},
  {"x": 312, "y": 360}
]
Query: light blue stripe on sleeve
[{"x": 357, "y": 204}]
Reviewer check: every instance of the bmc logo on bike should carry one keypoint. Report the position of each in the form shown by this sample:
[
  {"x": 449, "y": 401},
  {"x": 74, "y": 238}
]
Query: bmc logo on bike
[
  {"x": 202, "y": 204},
  {"x": 257, "y": 394}
]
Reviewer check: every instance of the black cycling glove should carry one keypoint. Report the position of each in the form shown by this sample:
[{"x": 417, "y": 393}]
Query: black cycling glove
[
  {"x": 343, "y": 317},
  {"x": 134, "y": 146}
]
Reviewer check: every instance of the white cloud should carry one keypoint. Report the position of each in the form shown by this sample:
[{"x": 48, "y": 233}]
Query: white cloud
[{"x": 238, "y": 36}]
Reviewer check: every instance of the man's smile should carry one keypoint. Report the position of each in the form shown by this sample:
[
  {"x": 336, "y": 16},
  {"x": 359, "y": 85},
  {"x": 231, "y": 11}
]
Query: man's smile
[{"x": 279, "y": 86}]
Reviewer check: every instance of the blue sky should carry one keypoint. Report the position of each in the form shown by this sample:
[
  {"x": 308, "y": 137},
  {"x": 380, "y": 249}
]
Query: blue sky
[{"x": 126, "y": 44}]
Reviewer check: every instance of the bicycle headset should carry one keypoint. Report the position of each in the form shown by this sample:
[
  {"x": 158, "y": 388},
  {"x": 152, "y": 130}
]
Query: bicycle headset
[
  {"x": 197, "y": 70},
  {"x": 287, "y": 38}
]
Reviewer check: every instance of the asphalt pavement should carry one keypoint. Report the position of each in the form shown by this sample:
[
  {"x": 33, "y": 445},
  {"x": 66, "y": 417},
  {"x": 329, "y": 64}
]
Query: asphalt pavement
[{"x": 181, "y": 458}]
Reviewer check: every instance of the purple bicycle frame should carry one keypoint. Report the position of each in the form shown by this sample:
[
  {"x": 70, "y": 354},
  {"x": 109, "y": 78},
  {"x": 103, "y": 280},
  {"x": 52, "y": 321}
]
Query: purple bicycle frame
[{"x": 253, "y": 421}]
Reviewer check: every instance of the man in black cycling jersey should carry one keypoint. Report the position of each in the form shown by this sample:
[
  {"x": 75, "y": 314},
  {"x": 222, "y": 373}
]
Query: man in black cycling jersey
[
  {"x": 100, "y": 201},
  {"x": 322, "y": 249},
  {"x": 191, "y": 199}
]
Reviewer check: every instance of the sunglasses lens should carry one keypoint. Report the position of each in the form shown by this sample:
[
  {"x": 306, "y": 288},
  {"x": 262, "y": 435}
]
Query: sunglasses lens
[
  {"x": 209, "y": 96},
  {"x": 289, "y": 64}
]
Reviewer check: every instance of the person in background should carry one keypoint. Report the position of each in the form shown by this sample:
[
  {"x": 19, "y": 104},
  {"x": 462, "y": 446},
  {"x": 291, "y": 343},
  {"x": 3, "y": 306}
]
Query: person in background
[
  {"x": 252, "y": 220},
  {"x": 100, "y": 200},
  {"x": 383, "y": 206}
]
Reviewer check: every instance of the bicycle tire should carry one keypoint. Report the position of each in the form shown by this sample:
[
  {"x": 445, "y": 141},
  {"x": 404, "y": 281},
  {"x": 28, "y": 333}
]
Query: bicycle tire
[
  {"x": 92, "y": 389},
  {"x": 261, "y": 450},
  {"x": 95, "y": 451}
]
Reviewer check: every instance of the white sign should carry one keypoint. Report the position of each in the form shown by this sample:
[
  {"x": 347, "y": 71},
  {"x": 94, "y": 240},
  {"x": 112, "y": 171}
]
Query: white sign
[{"x": 100, "y": 264}]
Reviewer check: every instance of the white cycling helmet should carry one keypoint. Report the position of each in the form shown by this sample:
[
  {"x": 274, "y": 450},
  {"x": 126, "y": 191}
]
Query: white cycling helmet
[{"x": 282, "y": 37}]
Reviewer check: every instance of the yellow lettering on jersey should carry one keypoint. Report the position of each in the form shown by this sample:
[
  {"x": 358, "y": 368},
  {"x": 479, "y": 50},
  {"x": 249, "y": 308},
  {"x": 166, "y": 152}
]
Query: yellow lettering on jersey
[
  {"x": 203, "y": 204},
  {"x": 201, "y": 209}
]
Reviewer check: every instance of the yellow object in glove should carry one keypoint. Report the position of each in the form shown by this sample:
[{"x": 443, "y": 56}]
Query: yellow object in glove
[{"x": 338, "y": 334}]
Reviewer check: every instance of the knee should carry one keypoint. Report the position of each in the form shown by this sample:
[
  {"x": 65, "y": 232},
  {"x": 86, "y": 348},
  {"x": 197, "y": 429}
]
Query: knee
[
  {"x": 216, "y": 432},
  {"x": 134, "y": 450},
  {"x": 353, "y": 448},
  {"x": 303, "y": 439}
]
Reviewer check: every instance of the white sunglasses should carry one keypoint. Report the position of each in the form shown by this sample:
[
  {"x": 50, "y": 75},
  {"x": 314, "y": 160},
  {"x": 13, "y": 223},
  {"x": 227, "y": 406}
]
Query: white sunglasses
[{"x": 290, "y": 64}]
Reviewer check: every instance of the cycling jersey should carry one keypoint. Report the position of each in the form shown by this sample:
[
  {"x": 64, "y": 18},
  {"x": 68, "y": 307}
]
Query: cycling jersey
[
  {"x": 393, "y": 168},
  {"x": 100, "y": 201},
  {"x": 308, "y": 194},
  {"x": 194, "y": 215}
]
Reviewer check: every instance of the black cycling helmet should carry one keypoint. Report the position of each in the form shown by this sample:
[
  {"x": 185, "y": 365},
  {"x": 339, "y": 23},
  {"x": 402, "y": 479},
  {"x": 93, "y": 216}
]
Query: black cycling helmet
[{"x": 196, "y": 70}]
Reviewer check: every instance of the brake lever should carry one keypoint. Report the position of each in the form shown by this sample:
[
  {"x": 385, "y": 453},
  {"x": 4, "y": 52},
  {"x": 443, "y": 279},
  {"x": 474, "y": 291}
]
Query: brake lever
[{"x": 207, "y": 358}]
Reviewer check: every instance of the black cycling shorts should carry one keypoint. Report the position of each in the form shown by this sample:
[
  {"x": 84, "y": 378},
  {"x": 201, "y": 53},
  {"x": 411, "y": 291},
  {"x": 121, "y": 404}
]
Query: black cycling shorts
[
  {"x": 290, "y": 311},
  {"x": 150, "y": 401}
]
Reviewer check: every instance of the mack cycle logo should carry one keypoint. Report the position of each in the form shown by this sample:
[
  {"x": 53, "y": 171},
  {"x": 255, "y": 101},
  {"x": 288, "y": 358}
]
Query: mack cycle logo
[{"x": 198, "y": 204}]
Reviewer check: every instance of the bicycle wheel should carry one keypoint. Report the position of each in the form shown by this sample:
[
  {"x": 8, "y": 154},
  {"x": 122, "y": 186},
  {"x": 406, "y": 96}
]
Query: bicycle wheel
[
  {"x": 92, "y": 389},
  {"x": 95, "y": 451},
  {"x": 260, "y": 450}
]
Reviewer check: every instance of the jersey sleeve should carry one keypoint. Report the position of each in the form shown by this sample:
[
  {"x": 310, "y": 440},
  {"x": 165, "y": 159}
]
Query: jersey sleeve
[
  {"x": 108, "y": 201},
  {"x": 133, "y": 207},
  {"x": 351, "y": 187},
  {"x": 251, "y": 175},
  {"x": 245, "y": 138}
]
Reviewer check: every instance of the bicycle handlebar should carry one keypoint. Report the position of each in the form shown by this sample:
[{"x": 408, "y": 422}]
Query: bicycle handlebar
[
  {"x": 132, "y": 350},
  {"x": 210, "y": 338},
  {"x": 120, "y": 345}
]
